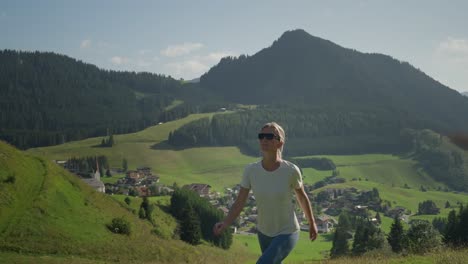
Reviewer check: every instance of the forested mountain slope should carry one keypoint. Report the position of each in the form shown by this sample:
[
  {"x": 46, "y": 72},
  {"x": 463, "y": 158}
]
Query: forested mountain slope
[
  {"x": 302, "y": 69},
  {"x": 48, "y": 99}
]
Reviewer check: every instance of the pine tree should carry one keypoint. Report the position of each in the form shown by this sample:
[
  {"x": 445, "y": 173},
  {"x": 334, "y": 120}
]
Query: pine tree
[
  {"x": 110, "y": 142},
  {"x": 451, "y": 230},
  {"x": 340, "y": 245},
  {"x": 367, "y": 237},
  {"x": 463, "y": 225},
  {"x": 396, "y": 236},
  {"x": 190, "y": 227},
  {"x": 447, "y": 204},
  {"x": 124, "y": 164}
]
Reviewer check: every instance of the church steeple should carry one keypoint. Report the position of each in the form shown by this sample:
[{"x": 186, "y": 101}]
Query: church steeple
[{"x": 97, "y": 174}]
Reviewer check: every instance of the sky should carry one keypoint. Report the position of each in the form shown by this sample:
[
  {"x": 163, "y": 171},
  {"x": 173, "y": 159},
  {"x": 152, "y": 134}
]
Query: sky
[{"x": 183, "y": 39}]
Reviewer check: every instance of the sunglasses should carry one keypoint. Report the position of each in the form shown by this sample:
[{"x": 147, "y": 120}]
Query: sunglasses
[{"x": 268, "y": 136}]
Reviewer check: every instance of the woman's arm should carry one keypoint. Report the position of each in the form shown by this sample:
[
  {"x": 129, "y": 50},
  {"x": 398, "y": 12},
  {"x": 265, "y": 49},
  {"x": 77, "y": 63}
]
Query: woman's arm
[
  {"x": 234, "y": 212},
  {"x": 307, "y": 208}
]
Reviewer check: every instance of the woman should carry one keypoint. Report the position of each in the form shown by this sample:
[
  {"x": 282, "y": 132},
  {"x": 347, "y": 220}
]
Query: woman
[{"x": 272, "y": 180}]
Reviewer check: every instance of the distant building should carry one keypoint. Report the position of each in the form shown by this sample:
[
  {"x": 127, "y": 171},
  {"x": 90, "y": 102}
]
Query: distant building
[
  {"x": 200, "y": 188},
  {"x": 144, "y": 171},
  {"x": 324, "y": 224},
  {"x": 95, "y": 180},
  {"x": 131, "y": 174}
]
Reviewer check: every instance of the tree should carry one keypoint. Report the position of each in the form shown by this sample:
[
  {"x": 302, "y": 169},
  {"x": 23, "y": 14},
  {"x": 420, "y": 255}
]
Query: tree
[
  {"x": 463, "y": 226},
  {"x": 396, "y": 237},
  {"x": 422, "y": 237},
  {"x": 367, "y": 237},
  {"x": 190, "y": 230},
  {"x": 124, "y": 164},
  {"x": 142, "y": 213},
  {"x": 132, "y": 192},
  {"x": 110, "y": 142},
  {"x": 127, "y": 200},
  {"x": 451, "y": 230},
  {"x": 439, "y": 223},
  {"x": 428, "y": 207},
  {"x": 119, "y": 226},
  {"x": 447, "y": 204},
  {"x": 340, "y": 245},
  {"x": 344, "y": 222}
]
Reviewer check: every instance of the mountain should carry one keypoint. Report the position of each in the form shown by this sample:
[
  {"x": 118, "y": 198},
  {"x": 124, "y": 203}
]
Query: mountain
[
  {"x": 465, "y": 93},
  {"x": 302, "y": 69},
  {"x": 47, "y": 211},
  {"x": 49, "y": 99}
]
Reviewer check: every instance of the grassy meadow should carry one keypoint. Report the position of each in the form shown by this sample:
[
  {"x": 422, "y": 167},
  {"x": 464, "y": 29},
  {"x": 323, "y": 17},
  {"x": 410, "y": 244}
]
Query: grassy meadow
[
  {"x": 218, "y": 166},
  {"x": 222, "y": 167},
  {"x": 51, "y": 216}
]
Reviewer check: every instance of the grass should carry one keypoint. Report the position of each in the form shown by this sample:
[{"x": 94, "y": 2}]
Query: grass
[
  {"x": 223, "y": 166},
  {"x": 382, "y": 168},
  {"x": 218, "y": 166},
  {"x": 49, "y": 215}
]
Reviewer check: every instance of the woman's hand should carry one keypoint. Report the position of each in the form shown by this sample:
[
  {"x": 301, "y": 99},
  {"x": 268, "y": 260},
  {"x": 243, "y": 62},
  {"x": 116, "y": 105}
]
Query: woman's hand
[
  {"x": 218, "y": 228},
  {"x": 313, "y": 231}
]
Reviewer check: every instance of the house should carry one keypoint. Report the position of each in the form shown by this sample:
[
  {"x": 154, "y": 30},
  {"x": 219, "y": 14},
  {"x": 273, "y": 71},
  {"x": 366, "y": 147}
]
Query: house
[
  {"x": 324, "y": 224},
  {"x": 144, "y": 171},
  {"x": 143, "y": 191},
  {"x": 152, "y": 179},
  {"x": 131, "y": 174},
  {"x": 395, "y": 212},
  {"x": 200, "y": 188}
]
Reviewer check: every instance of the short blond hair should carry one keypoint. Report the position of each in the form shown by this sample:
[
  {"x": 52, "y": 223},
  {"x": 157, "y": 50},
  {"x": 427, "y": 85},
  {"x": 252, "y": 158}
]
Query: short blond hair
[{"x": 280, "y": 131}]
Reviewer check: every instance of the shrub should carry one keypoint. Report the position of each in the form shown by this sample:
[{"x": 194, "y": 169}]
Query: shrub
[{"x": 119, "y": 226}]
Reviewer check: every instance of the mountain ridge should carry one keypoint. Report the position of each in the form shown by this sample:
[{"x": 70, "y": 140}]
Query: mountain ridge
[{"x": 302, "y": 69}]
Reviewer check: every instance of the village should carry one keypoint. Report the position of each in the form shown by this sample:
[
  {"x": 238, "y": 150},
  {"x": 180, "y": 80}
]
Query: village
[{"x": 328, "y": 203}]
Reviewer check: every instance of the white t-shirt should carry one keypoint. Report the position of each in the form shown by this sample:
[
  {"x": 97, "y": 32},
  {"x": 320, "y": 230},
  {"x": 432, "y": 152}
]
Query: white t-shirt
[{"x": 273, "y": 191}]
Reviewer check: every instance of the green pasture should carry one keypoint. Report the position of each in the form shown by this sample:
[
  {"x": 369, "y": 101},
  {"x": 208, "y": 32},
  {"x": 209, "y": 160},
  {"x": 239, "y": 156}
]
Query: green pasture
[
  {"x": 218, "y": 166},
  {"x": 223, "y": 166},
  {"x": 382, "y": 168}
]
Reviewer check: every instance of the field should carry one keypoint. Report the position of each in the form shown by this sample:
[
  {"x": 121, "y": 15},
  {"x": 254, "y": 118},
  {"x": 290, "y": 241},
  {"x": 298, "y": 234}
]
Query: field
[{"x": 397, "y": 178}]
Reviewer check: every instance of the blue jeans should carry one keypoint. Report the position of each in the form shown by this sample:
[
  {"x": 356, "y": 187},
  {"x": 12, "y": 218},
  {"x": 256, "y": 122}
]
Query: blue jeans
[{"x": 276, "y": 249}]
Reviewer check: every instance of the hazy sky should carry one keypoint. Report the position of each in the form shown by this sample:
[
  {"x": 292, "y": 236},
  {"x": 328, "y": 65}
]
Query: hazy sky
[{"x": 185, "y": 38}]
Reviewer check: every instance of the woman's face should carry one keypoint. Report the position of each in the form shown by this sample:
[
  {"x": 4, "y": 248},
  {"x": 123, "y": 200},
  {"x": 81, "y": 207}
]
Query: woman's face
[{"x": 270, "y": 145}]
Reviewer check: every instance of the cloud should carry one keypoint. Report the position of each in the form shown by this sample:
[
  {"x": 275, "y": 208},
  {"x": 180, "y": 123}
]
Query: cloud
[
  {"x": 85, "y": 44},
  {"x": 449, "y": 63},
  {"x": 452, "y": 47},
  {"x": 215, "y": 57},
  {"x": 187, "y": 69},
  {"x": 117, "y": 60},
  {"x": 104, "y": 45},
  {"x": 182, "y": 49},
  {"x": 196, "y": 65},
  {"x": 143, "y": 52},
  {"x": 142, "y": 63}
]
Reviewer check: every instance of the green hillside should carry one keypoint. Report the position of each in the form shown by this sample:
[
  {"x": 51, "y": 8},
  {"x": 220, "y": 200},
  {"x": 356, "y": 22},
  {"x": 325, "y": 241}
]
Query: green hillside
[
  {"x": 222, "y": 167},
  {"x": 45, "y": 211},
  {"x": 219, "y": 166}
]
